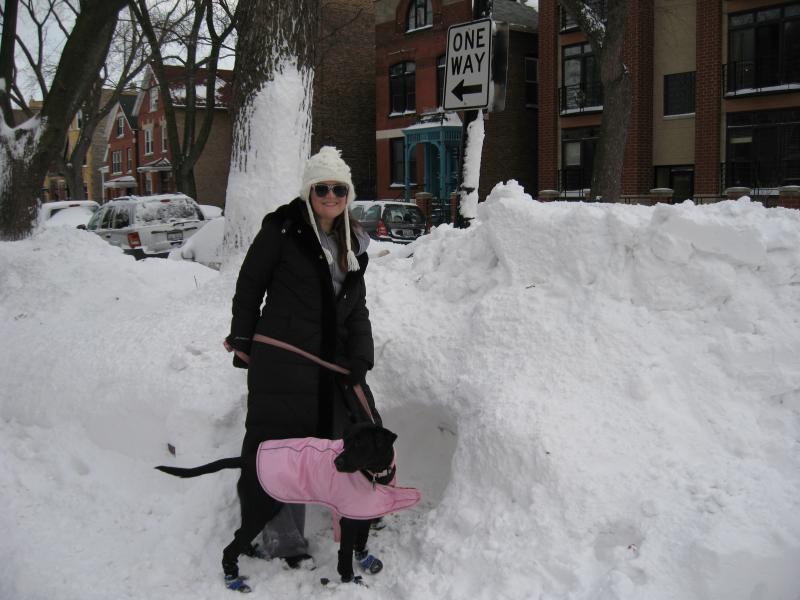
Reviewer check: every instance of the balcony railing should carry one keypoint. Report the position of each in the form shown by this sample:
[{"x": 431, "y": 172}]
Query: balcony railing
[
  {"x": 764, "y": 75},
  {"x": 580, "y": 97}
]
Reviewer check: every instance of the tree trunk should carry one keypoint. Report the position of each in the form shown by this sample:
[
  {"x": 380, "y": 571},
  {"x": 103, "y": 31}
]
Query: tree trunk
[
  {"x": 272, "y": 97},
  {"x": 607, "y": 40},
  {"x": 28, "y": 150}
]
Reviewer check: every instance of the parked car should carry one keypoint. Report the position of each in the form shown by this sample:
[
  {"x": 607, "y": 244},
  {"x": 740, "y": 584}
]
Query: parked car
[
  {"x": 67, "y": 213},
  {"x": 204, "y": 247},
  {"x": 148, "y": 225},
  {"x": 389, "y": 220}
]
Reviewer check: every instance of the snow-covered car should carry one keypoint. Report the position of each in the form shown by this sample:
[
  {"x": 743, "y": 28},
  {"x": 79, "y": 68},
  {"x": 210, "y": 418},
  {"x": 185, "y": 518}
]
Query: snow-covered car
[
  {"x": 67, "y": 213},
  {"x": 210, "y": 211},
  {"x": 204, "y": 247},
  {"x": 148, "y": 225},
  {"x": 390, "y": 221}
]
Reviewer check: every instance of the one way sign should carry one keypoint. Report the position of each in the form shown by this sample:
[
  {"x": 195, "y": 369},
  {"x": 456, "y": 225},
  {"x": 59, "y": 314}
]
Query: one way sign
[{"x": 469, "y": 65}]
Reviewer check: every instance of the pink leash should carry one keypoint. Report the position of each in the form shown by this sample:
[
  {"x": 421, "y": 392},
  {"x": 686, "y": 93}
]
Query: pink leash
[{"x": 323, "y": 363}]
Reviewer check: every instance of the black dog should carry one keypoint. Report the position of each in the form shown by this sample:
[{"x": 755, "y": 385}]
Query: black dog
[{"x": 367, "y": 448}]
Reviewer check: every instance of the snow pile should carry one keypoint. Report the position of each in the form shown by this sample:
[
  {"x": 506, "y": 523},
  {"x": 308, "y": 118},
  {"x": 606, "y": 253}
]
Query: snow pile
[{"x": 597, "y": 402}]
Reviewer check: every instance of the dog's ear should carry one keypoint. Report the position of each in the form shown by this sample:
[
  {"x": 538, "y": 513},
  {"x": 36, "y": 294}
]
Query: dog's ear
[{"x": 389, "y": 437}]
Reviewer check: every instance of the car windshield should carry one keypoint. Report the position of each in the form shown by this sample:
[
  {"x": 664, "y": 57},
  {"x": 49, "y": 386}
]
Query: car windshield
[
  {"x": 173, "y": 209},
  {"x": 404, "y": 214}
]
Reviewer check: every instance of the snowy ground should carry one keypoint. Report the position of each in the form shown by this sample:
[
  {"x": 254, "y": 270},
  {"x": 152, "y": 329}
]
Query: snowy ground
[{"x": 598, "y": 402}]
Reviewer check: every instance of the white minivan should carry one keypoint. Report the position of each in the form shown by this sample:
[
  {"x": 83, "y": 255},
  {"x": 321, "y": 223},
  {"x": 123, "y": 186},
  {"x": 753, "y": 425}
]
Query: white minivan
[{"x": 148, "y": 225}]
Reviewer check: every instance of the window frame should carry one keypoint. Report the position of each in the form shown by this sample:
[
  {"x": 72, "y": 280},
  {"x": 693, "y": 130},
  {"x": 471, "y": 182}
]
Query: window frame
[
  {"x": 116, "y": 162},
  {"x": 130, "y": 159},
  {"x": 153, "y": 99},
  {"x": 687, "y": 79},
  {"x": 120, "y": 126},
  {"x": 397, "y": 164},
  {"x": 441, "y": 63},
  {"x": 589, "y": 95},
  {"x": 163, "y": 137},
  {"x": 148, "y": 141},
  {"x": 413, "y": 10},
  {"x": 531, "y": 85},
  {"x": 760, "y": 70},
  {"x": 403, "y": 74}
]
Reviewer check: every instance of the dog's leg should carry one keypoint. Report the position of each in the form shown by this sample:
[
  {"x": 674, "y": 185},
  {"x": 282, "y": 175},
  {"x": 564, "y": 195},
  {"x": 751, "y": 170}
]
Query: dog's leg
[
  {"x": 366, "y": 561},
  {"x": 257, "y": 508},
  {"x": 346, "y": 546}
]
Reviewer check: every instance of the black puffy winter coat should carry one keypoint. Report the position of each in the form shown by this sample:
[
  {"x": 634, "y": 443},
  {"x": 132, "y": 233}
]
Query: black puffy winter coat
[{"x": 289, "y": 396}]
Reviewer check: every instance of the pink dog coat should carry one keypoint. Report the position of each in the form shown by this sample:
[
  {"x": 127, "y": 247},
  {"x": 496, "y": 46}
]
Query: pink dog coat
[{"x": 301, "y": 471}]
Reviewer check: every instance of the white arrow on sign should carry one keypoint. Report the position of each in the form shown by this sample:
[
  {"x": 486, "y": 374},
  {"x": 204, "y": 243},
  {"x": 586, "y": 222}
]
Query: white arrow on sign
[{"x": 468, "y": 65}]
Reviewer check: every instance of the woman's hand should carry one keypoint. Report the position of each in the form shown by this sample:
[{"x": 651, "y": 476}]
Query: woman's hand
[{"x": 358, "y": 370}]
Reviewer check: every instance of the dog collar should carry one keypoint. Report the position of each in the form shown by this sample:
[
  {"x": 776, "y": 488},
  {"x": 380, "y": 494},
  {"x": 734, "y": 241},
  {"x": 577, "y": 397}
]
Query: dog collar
[{"x": 383, "y": 478}]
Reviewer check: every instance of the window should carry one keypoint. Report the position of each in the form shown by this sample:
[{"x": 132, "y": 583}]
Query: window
[
  {"x": 763, "y": 149},
  {"x": 679, "y": 93},
  {"x": 402, "y": 87},
  {"x": 153, "y": 99},
  {"x": 130, "y": 159},
  {"x": 148, "y": 185},
  {"x": 763, "y": 48},
  {"x": 106, "y": 222},
  {"x": 397, "y": 151},
  {"x": 531, "y": 81},
  {"x": 121, "y": 217},
  {"x": 120, "y": 126},
  {"x": 116, "y": 161},
  {"x": 163, "y": 137},
  {"x": 580, "y": 76},
  {"x": 148, "y": 141},
  {"x": 440, "y": 62},
  {"x": 577, "y": 157},
  {"x": 419, "y": 14},
  {"x": 680, "y": 179}
]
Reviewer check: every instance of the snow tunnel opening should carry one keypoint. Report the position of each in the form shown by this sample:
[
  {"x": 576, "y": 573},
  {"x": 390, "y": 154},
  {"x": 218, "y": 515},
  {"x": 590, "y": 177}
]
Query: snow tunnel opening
[{"x": 426, "y": 441}]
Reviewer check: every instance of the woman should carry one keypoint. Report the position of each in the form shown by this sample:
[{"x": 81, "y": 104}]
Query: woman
[{"x": 309, "y": 260}]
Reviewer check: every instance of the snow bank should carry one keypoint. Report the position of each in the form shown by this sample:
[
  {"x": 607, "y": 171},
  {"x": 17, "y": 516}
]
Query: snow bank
[{"x": 597, "y": 401}]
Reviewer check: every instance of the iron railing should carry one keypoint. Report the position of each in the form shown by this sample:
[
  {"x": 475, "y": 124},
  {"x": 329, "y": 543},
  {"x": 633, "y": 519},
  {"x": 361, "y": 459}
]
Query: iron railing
[
  {"x": 581, "y": 96},
  {"x": 767, "y": 72}
]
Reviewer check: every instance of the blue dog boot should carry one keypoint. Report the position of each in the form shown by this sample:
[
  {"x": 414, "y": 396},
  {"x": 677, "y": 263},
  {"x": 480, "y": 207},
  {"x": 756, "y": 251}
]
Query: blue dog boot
[
  {"x": 368, "y": 562},
  {"x": 237, "y": 584}
]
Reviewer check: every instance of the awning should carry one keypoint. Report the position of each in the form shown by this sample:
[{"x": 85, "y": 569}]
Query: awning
[
  {"x": 121, "y": 183},
  {"x": 160, "y": 164}
]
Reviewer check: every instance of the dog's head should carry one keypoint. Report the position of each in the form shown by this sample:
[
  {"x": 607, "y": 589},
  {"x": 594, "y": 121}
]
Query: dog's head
[{"x": 367, "y": 447}]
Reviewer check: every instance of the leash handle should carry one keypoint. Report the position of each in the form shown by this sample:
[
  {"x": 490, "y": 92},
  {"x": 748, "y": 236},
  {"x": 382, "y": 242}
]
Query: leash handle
[{"x": 316, "y": 359}]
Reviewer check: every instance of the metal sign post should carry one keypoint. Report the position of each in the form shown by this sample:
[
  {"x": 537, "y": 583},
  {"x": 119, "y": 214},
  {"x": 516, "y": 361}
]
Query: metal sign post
[{"x": 475, "y": 75}]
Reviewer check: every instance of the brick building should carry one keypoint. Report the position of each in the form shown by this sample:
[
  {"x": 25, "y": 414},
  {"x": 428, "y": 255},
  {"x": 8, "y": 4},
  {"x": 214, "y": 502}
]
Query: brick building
[
  {"x": 716, "y": 98},
  {"x": 411, "y": 43},
  {"x": 139, "y": 158},
  {"x": 343, "y": 109}
]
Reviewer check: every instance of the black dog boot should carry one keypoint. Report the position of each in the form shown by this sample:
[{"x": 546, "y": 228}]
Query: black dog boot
[
  {"x": 368, "y": 562},
  {"x": 300, "y": 561}
]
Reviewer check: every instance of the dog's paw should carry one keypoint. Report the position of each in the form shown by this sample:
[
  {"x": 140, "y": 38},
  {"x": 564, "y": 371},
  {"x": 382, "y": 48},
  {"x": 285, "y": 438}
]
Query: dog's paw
[
  {"x": 237, "y": 584},
  {"x": 369, "y": 563},
  {"x": 301, "y": 561}
]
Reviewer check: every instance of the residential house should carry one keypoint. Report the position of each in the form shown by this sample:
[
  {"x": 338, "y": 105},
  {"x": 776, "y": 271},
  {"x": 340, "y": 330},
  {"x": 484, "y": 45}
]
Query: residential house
[
  {"x": 715, "y": 102},
  {"x": 140, "y": 140},
  {"x": 121, "y": 156},
  {"x": 411, "y": 126}
]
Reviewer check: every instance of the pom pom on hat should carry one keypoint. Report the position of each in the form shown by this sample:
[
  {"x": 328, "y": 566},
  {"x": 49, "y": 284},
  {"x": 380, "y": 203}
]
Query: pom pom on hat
[{"x": 326, "y": 165}]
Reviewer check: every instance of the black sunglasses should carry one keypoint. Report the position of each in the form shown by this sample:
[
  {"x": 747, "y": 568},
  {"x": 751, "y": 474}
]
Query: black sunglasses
[{"x": 322, "y": 189}]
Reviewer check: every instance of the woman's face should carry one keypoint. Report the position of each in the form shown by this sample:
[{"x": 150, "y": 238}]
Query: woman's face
[{"x": 325, "y": 202}]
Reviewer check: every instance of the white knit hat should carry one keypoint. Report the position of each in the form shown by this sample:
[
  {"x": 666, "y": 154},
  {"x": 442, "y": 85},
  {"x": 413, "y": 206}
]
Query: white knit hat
[{"x": 327, "y": 165}]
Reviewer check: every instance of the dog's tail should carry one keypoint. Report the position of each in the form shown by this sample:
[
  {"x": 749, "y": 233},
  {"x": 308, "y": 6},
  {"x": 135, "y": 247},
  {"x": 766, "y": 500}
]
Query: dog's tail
[{"x": 212, "y": 467}]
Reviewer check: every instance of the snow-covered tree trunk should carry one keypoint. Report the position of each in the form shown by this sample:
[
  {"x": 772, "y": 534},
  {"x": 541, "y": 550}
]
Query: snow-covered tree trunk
[
  {"x": 607, "y": 40},
  {"x": 271, "y": 113},
  {"x": 26, "y": 151}
]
